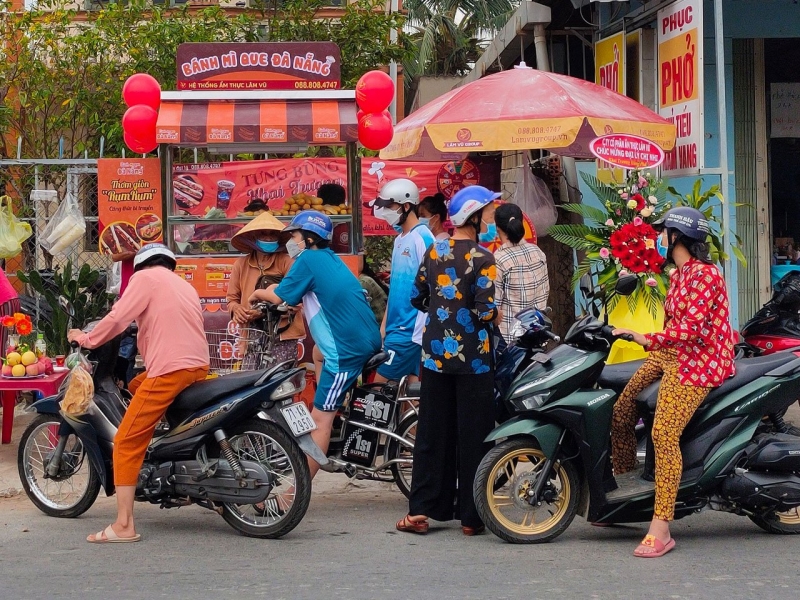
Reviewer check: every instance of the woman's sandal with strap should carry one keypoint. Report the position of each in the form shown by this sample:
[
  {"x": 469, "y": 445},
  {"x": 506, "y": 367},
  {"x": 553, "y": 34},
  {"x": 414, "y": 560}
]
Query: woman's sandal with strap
[
  {"x": 659, "y": 548},
  {"x": 409, "y": 526}
]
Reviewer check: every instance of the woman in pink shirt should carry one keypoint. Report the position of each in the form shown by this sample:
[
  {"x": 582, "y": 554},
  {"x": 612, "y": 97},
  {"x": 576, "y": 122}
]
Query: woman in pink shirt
[
  {"x": 9, "y": 304},
  {"x": 173, "y": 343}
]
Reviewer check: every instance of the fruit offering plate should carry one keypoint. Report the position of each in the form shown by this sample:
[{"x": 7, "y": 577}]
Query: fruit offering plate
[{"x": 24, "y": 376}]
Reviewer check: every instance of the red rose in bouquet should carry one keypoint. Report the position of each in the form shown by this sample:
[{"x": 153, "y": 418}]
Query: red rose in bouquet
[{"x": 634, "y": 246}]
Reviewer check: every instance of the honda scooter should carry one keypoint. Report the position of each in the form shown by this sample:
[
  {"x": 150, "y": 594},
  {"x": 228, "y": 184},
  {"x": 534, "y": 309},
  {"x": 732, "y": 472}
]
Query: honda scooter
[
  {"x": 553, "y": 458},
  {"x": 214, "y": 452}
]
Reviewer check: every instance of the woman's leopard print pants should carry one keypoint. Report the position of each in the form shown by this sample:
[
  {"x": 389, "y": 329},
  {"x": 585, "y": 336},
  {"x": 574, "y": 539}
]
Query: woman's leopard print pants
[{"x": 675, "y": 407}]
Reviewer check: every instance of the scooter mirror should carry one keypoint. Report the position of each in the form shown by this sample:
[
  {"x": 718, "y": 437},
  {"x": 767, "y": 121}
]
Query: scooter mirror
[
  {"x": 626, "y": 285},
  {"x": 585, "y": 285},
  {"x": 66, "y": 306}
]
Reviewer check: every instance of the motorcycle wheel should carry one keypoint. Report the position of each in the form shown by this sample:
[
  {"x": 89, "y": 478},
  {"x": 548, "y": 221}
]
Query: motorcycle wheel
[
  {"x": 74, "y": 489},
  {"x": 267, "y": 443},
  {"x": 502, "y": 482},
  {"x": 407, "y": 429},
  {"x": 785, "y": 523}
]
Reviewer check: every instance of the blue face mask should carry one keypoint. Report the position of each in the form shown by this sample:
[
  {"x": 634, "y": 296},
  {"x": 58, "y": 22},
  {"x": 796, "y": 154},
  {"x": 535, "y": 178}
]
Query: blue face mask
[
  {"x": 662, "y": 249},
  {"x": 425, "y": 221},
  {"x": 490, "y": 235},
  {"x": 267, "y": 247},
  {"x": 397, "y": 228}
]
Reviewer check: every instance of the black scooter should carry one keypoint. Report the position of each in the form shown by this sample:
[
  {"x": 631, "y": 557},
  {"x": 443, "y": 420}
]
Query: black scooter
[{"x": 216, "y": 452}]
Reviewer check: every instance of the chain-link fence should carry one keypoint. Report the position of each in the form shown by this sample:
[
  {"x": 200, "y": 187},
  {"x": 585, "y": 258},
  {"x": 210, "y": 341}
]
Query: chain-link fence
[{"x": 37, "y": 187}]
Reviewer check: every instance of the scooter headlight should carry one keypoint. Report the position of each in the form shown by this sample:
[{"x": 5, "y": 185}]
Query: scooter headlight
[
  {"x": 531, "y": 402},
  {"x": 291, "y": 386}
]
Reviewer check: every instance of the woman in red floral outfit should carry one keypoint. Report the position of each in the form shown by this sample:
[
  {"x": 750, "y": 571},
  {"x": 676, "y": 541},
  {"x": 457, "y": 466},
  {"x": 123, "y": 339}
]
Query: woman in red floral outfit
[{"x": 693, "y": 355}]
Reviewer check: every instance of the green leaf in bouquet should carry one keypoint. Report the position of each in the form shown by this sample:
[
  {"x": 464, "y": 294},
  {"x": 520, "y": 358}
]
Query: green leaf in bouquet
[
  {"x": 604, "y": 192},
  {"x": 587, "y": 212}
]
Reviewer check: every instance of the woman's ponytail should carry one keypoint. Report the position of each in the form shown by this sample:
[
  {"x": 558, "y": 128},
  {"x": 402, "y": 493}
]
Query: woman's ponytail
[{"x": 509, "y": 219}]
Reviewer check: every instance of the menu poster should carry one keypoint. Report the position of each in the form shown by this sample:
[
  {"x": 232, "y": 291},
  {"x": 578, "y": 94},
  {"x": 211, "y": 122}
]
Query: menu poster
[
  {"x": 128, "y": 203},
  {"x": 209, "y": 277},
  {"x": 285, "y": 187}
]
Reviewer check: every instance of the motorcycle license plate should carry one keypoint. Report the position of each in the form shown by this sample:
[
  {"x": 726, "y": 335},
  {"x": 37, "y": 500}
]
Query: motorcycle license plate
[{"x": 298, "y": 418}]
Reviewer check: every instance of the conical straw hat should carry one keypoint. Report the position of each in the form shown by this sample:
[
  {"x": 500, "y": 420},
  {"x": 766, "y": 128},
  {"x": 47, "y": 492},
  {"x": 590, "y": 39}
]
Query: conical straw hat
[{"x": 245, "y": 238}]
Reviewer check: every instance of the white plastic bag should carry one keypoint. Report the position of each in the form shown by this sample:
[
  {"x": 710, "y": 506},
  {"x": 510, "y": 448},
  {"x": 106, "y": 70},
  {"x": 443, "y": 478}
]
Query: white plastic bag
[
  {"x": 65, "y": 228},
  {"x": 534, "y": 198},
  {"x": 114, "y": 279}
]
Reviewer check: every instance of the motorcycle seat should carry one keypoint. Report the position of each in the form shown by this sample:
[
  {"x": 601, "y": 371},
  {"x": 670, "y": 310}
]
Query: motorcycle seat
[
  {"x": 616, "y": 377},
  {"x": 376, "y": 361},
  {"x": 203, "y": 393},
  {"x": 747, "y": 371}
]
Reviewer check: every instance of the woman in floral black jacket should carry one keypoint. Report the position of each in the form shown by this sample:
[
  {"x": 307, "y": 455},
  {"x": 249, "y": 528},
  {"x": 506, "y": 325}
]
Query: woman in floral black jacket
[{"x": 455, "y": 285}]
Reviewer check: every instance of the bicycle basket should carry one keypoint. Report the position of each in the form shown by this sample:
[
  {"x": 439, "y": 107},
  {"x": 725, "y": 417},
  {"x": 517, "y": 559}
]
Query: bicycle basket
[{"x": 237, "y": 349}]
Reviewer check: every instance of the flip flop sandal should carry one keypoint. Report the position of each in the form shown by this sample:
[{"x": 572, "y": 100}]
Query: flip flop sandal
[
  {"x": 109, "y": 536},
  {"x": 270, "y": 508},
  {"x": 409, "y": 526},
  {"x": 650, "y": 541}
]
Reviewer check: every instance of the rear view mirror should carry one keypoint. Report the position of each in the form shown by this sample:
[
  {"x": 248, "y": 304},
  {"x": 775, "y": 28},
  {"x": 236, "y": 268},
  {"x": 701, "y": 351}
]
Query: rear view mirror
[
  {"x": 585, "y": 285},
  {"x": 66, "y": 306},
  {"x": 626, "y": 285}
]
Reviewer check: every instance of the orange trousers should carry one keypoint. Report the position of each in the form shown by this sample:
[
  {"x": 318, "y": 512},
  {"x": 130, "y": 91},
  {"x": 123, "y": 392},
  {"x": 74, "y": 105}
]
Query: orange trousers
[{"x": 151, "y": 399}]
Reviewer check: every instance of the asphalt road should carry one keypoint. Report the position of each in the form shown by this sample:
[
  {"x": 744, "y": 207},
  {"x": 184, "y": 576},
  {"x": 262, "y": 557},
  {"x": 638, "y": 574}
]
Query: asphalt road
[{"x": 347, "y": 548}]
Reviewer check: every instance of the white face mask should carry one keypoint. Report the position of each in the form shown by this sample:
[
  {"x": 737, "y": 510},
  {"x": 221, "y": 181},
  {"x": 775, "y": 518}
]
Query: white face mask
[
  {"x": 294, "y": 249},
  {"x": 392, "y": 217}
]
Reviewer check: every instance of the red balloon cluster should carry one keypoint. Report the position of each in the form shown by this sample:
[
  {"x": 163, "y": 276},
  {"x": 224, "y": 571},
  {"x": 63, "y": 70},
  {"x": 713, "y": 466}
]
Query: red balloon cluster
[
  {"x": 374, "y": 94},
  {"x": 142, "y": 93}
]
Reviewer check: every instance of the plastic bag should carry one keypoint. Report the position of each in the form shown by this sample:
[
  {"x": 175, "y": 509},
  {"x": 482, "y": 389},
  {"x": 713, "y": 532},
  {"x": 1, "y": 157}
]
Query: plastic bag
[
  {"x": 80, "y": 386},
  {"x": 114, "y": 279},
  {"x": 534, "y": 198},
  {"x": 65, "y": 228},
  {"x": 12, "y": 231}
]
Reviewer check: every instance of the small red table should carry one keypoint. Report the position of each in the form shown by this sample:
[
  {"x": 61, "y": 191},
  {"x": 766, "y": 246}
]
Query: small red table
[{"x": 9, "y": 386}]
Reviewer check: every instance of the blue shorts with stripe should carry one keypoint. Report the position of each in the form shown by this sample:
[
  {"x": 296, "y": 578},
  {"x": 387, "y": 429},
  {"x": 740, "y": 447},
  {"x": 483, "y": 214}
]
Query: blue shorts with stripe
[{"x": 332, "y": 388}]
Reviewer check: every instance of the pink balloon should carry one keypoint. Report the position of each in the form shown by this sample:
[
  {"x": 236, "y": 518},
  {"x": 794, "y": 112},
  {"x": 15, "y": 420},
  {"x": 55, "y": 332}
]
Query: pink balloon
[
  {"x": 375, "y": 130},
  {"x": 374, "y": 91},
  {"x": 142, "y": 88},
  {"x": 139, "y": 121}
]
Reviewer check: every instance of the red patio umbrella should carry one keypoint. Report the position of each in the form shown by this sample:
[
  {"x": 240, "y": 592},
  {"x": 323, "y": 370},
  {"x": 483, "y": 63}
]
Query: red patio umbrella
[{"x": 524, "y": 109}]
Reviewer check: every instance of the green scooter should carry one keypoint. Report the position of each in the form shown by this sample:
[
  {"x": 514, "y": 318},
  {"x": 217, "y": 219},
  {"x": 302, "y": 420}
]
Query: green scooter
[{"x": 553, "y": 457}]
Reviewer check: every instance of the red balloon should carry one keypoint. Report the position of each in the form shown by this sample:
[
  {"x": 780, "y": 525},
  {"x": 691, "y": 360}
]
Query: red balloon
[
  {"x": 140, "y": 145},
  {"x": 374, "y": 91},
  {"x": 142, "y": 88},
  {"x": 139, "y": 121},
  {"x": 375, "y": 130},
  {"x": 360, "y": 115}
]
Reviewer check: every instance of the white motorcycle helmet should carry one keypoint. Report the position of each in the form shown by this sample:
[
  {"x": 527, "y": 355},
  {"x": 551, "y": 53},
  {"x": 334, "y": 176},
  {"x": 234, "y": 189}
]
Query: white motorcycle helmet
[{"x": 399, "y": 191}]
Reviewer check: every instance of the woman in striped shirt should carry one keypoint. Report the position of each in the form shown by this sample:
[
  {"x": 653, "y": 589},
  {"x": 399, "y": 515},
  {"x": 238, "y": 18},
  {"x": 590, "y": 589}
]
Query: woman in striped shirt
[{"x": 522, "y": 280}]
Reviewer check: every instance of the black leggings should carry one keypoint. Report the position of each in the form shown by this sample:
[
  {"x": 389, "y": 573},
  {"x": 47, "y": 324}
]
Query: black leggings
[{"x": 456, "y": 413}]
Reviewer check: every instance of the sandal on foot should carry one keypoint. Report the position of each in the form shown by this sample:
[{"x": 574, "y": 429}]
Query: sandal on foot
[
  {"x": 407, "y": 525},
  {"x": 109, "y": 536},
  {"x": 270, "y": 507},
  {"x": 470, "y": 531},
  {"x": 659, "y": 547}
]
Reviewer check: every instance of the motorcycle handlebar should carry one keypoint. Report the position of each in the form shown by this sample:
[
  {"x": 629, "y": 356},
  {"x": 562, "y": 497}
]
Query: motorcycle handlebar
[
  {"x": 608, "y": 333},
  {"x": 74, "y": 345},
  {"x": 550, "y": 335}
]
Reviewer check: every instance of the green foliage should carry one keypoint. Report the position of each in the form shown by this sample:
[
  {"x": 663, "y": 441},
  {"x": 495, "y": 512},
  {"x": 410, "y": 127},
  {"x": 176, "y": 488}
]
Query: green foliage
[
  {"x": 378, "y": 251},
  {"x": 89, "y": 302},
  {"x": 66, "y": 75},
  {"x": 709, "y": 203}
]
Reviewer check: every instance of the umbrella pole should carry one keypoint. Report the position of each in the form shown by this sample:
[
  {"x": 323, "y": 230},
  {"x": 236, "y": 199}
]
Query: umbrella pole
[{"x": 569, "y": 168}]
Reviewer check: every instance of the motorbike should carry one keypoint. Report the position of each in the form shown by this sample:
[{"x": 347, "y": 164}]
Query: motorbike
[
  {"x": 552, "y": 459},
  {"x": 373, "y": 433},
  {"x": 776, "y": 326},
  {"x": 234, "y": 444}
]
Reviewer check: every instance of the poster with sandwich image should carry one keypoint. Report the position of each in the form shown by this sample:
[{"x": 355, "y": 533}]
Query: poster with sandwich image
[{"x": 129, "y": 203}]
